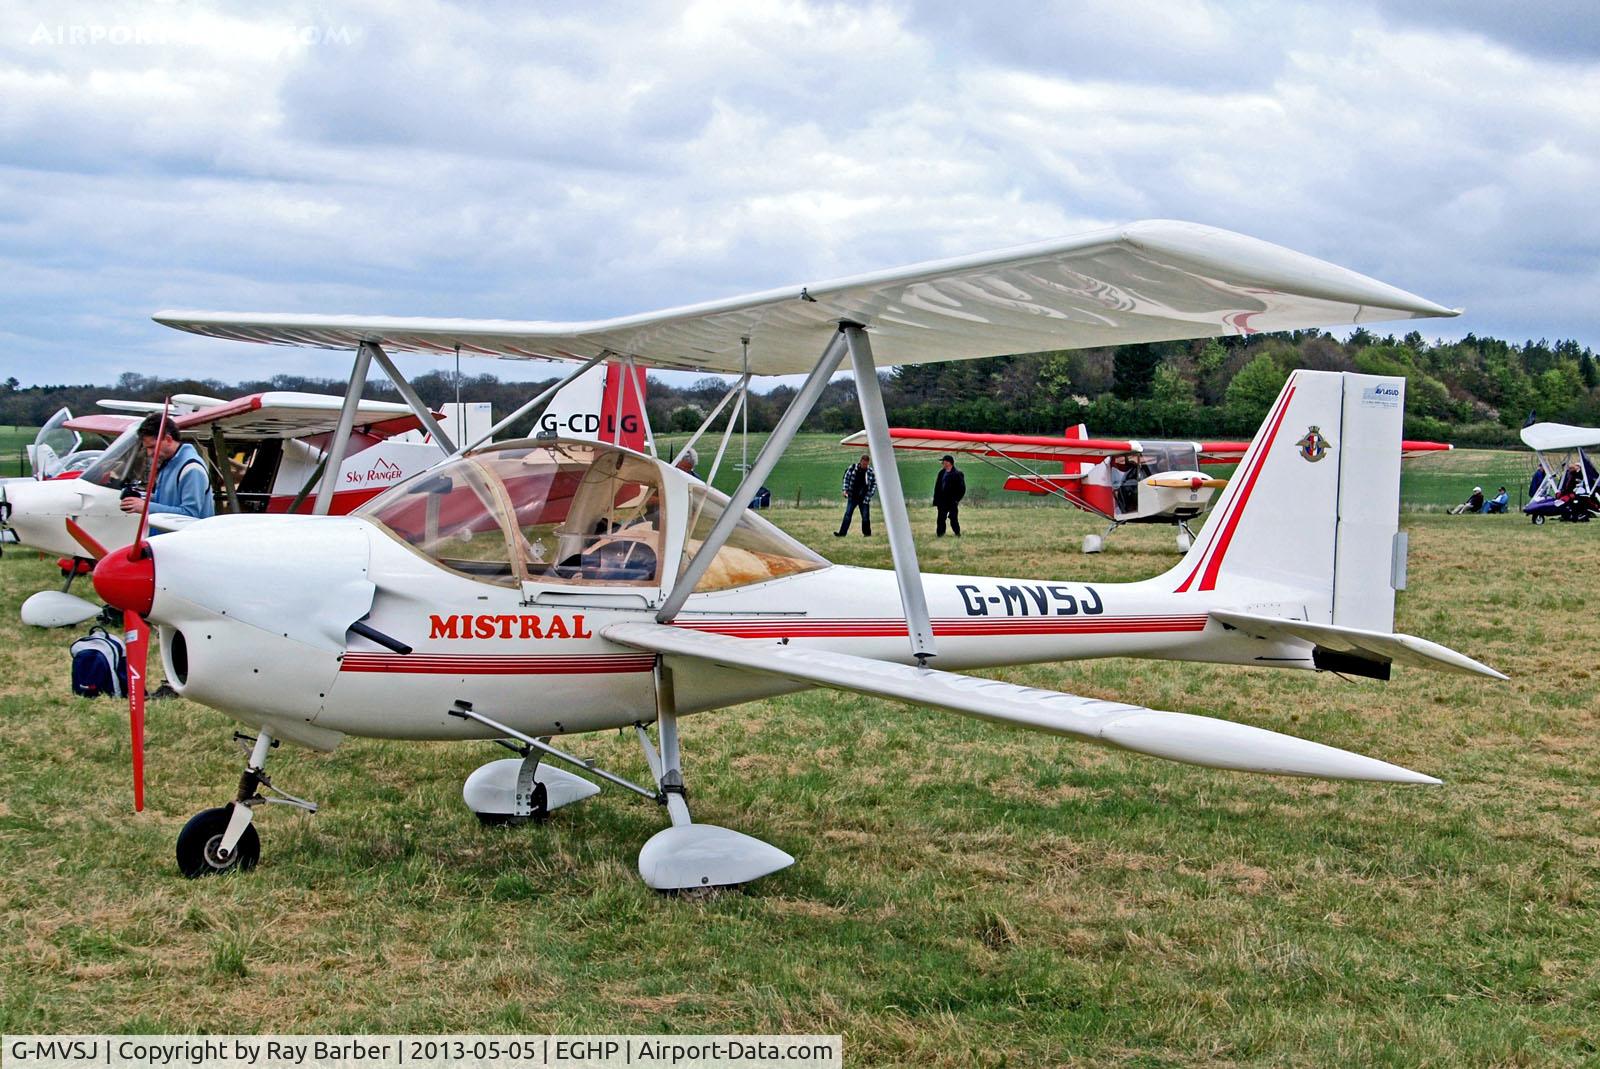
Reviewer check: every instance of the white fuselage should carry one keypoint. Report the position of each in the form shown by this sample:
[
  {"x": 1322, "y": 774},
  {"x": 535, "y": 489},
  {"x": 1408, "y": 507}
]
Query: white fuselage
[{"x": 534, "y": 657}]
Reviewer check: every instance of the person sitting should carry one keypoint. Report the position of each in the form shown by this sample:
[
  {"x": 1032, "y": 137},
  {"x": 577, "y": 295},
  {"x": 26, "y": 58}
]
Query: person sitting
[{"x": 1498, "y": 503}]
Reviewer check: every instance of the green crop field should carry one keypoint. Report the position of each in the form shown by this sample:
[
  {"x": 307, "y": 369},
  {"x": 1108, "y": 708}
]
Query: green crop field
[
  {"x": 963, "y": 894},
  {"x": 13, "y": 442}
]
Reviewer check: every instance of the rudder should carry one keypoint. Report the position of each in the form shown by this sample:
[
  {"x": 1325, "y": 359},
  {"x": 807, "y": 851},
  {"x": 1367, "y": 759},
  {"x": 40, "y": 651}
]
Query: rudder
[{"x": 1311, "y": 515}]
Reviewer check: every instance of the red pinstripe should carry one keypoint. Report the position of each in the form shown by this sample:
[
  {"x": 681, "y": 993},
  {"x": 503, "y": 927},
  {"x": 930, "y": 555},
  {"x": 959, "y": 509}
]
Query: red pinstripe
[{"x": 1212, "y": 562}]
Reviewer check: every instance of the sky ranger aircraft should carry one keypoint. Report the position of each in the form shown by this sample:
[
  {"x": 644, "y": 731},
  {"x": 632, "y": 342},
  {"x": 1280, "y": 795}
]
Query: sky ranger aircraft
[
  {"x": 1121, "y": 480},
  {"x": 276, "y": 444},
  {"x": 541, "y": 588}
]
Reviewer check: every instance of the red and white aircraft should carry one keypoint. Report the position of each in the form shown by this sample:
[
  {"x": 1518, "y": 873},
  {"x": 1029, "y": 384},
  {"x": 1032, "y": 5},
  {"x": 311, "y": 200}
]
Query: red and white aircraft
[
  {"x": 539, "y": 588},
  {"x": 274, "y": 445},
  {"x": 1123, "y": 480}
]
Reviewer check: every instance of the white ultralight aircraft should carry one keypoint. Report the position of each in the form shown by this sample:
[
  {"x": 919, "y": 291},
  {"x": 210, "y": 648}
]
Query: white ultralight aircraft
[{"x": 542, "y": 588}]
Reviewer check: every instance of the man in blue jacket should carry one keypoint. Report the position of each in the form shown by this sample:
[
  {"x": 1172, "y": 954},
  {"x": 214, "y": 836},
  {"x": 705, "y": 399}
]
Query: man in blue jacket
[{"x": 182, "y": 485}]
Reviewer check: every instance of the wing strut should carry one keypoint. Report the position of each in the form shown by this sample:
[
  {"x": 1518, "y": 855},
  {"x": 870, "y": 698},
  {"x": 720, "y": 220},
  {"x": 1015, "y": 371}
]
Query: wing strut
[
  {"x": 738, "y": 389},
  {"x": 219, "y": 450},
  {"x": 777, "y": 442},
  {"x": 334, "y": 454},
  {"x": 892, "y": 500},
  {"x": 420, "y": 410},
  {"x": 536, "y": 402}
]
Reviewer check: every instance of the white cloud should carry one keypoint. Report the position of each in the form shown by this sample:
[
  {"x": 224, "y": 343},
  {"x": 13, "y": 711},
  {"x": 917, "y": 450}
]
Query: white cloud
[{"x": 543, "y": 163}]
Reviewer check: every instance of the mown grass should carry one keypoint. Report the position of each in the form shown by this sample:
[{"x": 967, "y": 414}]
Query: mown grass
[{"x": 963, "y": 894}]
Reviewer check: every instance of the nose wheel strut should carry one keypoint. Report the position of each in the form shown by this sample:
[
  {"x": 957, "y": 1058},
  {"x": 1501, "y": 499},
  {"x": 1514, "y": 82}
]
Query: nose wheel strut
[{"x": 224, "y": 838}]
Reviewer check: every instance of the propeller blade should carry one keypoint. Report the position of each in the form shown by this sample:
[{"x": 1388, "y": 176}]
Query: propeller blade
[
  {"x": 155, "y": 469},
  {"x": 137, "y": 642},
  {"x": 85, "y": 539}
]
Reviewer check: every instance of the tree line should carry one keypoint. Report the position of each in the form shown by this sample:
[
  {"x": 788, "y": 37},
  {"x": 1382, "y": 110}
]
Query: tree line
[{"x": 1473, "y": 392}]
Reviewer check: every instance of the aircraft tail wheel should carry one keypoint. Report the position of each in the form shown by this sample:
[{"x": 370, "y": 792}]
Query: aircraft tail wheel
[
  {"x": 1538, "y": 520},
  {"x": 1184, "y": 541},
  {"x": 200, "y": 842},
  {"x": 1093, "y": 543}
]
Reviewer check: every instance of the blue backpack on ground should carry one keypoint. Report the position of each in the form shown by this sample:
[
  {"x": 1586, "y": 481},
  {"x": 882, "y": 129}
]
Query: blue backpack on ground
[{"x": 99, "y": 665}]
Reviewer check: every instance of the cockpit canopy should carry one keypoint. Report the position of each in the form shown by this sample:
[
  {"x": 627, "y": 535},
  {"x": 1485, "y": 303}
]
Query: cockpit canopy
[
  {"x": 566, "y": 512},
  {"x": 124, "y": 459}
]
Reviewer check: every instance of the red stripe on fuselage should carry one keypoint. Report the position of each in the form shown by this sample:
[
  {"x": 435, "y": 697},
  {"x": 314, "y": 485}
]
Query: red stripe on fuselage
[{"x": 495, "y": 665}]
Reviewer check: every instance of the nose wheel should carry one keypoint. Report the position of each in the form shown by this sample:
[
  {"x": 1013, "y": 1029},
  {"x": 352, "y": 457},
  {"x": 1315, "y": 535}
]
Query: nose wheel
[
  {"x": 224, "y": 839},
  {"x": 200, "y": 851}
]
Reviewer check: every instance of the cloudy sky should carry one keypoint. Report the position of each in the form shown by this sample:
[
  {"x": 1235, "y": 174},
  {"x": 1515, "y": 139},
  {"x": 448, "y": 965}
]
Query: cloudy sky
[{"x": 571, "y": 161}]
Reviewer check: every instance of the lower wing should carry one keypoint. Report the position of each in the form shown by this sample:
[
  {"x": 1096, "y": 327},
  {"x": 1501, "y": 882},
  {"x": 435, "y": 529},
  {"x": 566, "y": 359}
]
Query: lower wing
[{"x": 1196, "y": 740}]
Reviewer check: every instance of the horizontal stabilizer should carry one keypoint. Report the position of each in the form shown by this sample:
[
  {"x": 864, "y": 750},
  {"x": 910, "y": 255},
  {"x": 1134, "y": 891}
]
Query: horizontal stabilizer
[
  {"x": 1374, "y": 645},
  {"x": 1196, "y": 740}
]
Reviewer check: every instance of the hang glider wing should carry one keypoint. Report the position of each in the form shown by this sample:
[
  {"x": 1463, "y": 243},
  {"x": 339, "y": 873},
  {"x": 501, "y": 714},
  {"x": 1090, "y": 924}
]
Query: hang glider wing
[
  {"x": 105, "y": 424},
  {"x": 1151, "y": 281},
  {"x": 1197, "y": 740},
  {"x": 1554, "y": 437},
  {"x": 281, "y": 414},
  {"x": 1370, "y": 645}
]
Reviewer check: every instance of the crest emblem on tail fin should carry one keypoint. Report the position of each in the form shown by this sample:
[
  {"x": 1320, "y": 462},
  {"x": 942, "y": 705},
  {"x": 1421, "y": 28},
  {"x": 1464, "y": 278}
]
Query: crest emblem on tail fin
[{"x": 1314, "y": 446}]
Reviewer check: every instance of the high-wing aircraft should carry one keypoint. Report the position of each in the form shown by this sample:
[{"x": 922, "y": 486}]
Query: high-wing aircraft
[
  {"x": 265, "y": 452},
  {"x": 1121, "y": 480},
  {"x": 540, "y": 588},
  {"x": 1565, "y": 483}
]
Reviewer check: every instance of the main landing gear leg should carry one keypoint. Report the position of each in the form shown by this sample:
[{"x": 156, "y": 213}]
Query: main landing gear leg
[
  {"x": 690, "y": 856},
  {"x": 222, "y": 839},
  {"x": 1185, "y": 537}
]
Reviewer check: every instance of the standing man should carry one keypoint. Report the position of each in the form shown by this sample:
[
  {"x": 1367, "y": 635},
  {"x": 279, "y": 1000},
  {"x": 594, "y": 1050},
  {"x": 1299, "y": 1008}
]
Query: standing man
[
  {"x": 859, "y": 485},
  {"x": 949, "y": 487},
  {"x": 182, "y": 485}
]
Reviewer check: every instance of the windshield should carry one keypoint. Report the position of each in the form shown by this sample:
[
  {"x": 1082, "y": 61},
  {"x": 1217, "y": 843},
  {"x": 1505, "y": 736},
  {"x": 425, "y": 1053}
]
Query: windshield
[
  {"x": 123, "y": 460},
  {"x": 566, "y": 512},
  {"x": 755, "y": 552}
]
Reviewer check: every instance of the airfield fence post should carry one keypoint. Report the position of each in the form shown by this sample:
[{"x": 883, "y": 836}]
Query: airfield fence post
[{"x": 797, "y": 497}]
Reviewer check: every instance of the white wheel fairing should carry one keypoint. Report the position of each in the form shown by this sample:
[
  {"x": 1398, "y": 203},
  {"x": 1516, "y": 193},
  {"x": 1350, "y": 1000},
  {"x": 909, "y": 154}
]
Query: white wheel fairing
[{"x": 689, "y": 857}]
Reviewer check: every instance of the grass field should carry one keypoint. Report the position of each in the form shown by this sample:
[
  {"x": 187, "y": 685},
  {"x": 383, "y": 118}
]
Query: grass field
[
  {"x": 13, "y": 442},
  {"x": 963, "y": 894}
]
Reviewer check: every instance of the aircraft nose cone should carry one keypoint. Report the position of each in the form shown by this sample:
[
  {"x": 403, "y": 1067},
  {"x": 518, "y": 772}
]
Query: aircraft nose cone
[{"x": 126, "y": 578}]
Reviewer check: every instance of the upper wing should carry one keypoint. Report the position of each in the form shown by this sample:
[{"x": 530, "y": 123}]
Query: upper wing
[
  {"x": 1547, "y": 436},
  {"x": 1012, "y": 446},
  {"x": 282, "y": 414},
  {"x": 1197, "y": 740},
  {"x": 105, "y": 424},
  {"x": 1152, "y": 281}
]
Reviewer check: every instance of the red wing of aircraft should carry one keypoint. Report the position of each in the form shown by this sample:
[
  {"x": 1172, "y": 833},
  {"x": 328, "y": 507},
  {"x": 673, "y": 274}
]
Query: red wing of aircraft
[{"x": 1123, "y": 480}]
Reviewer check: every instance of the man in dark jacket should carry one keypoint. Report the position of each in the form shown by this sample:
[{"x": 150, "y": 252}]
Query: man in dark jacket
[
  {"x": 859, "y": 485},
  {"x": 949, "y": 487}
]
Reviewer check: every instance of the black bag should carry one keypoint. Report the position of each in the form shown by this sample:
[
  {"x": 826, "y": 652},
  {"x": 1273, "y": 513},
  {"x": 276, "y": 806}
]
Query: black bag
[{"x": 99, "y": 665}]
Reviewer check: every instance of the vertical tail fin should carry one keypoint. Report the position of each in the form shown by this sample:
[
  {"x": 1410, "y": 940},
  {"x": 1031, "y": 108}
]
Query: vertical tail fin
[
  {"x": 1311, "y": 515},
  {"x": 600, "y": 405}
]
